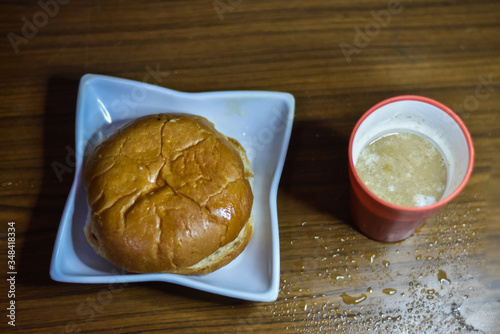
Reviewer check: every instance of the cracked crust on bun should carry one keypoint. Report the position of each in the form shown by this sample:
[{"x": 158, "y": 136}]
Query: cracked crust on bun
[{"x": 169, "y": 193}]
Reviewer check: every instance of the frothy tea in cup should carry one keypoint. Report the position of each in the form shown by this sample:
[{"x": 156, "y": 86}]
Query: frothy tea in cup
[{"x": 403, "y": 168}]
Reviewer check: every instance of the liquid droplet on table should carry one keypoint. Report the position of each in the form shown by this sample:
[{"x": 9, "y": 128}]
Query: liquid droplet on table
[
  {"x": 442, "y": 277},
  {"x": 389, "y": 291},
  {"x": 371, "y": 256},
  {"x": 349, "y": 300}
]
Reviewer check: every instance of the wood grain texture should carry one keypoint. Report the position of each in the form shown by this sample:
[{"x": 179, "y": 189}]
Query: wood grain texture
[{"x": 440, "y": 49}]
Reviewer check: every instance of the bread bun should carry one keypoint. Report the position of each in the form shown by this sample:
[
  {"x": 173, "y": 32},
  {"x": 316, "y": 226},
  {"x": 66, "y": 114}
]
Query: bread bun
[{"x": 168, "y": 193}]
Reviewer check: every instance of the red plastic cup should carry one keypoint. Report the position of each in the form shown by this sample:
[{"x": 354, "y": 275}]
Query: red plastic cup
[{"x": 384, "y": 221}]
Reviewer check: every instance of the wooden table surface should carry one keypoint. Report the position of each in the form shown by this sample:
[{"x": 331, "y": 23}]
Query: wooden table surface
[{"x": 338, "y": 58}]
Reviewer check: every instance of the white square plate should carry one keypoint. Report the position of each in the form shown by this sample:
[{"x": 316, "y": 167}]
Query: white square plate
[{"x": 260, "y": 121}]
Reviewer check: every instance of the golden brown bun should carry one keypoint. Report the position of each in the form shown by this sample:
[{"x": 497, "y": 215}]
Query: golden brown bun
[{"x": 168, "y": 193}]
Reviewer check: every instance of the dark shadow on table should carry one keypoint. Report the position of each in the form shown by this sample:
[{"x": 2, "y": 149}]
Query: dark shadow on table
[
  {"x": 316, "y": 168},
  {"x": 58, "y": 172}
]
